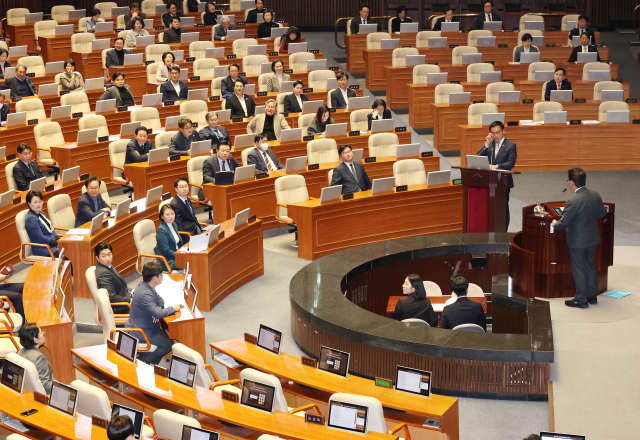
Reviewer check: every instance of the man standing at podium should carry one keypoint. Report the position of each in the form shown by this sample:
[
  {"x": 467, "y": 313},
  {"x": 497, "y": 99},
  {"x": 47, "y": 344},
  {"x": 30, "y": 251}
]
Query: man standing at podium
[
  {"x": 502, "y": 154},
  {"x": 580, "y": 219}
]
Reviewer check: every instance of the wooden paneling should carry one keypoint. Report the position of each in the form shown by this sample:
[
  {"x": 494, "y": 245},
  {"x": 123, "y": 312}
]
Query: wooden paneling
[
  {"x": 603, "y": 12},
  {"x": 322, "y": 13}
]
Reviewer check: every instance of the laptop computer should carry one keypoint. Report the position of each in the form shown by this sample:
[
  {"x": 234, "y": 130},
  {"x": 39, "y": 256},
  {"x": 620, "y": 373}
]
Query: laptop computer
[
  {"x": 223, "y": 115},
  {"x": 486, "y": 42},
  {"x": 478, "y": 162},
  {"x": 158, "y": 155},
  {"x": 531, "y": 25},
  {"x": 17, "y": 51},
  {"x": 278, "y": 31},
  {"x": 197, "y": 95},
  {"x": 460, "y": 98},
  {"x": 332, "y": 83},
  {"x": 543, "y": 75},
  {"x": 94, "y": 84},
  {"x": 612, "y": 95},
  {"x": 70, "y": 175},
  {"x": 618, "y": 116},
  {"x": 316, "y": 65},
  {"x": 258, "y": 49},
  {"x": 250, "y": 89},
  {"x": 218, "y": 52},
  {"x": 128, "y": 129},
  {"x": 145, "y": 40},
  {"x": 415, "y": 60},
  {"x": 508, "y": 96},
  {"x": 235, "y": 35},
  {"x": 265, "y": 67},
  {"x": 561, "y": 95},
  {"x": 246, "y": 172},
  {"x": 16, "y": 119},
  {"x": 407, "y": 150},
  {"x": 555, "y": 117},
  {"x": 450, "y": 27},
  {"x": 133, "y": 59},
  {"x": 54, "y": 67},
  {"x": 575, "y": 41},
  {"x": 161, "y": 9},
  {"x": 246, "y": 4},
  {"x": 48, "y": 90},
  {"x": 60, "y": 112},
  {"x": 200, "y": 148},
  {"x": 530, "y": 57},
  {"x": 286, "y": 86},
  {"x": 189, "y": 37},
  {"x": 599, "y": 75},
  {"x": 171, "y": 123},
  {"x": 471, "y": 58},
  {"x": 290, "y": 135},
  {"x": 63, "y": 29},
  {"x": 571, "y": 24},
  {"x": 358, "y": 154},
  {"x": 434, "y": 42},
  {"x": 186, "y": 22},
  {"x": 242, "y": 141},
  {"x": 38, "y": 184},
  {"x": 492, "y": 26},
  {"x": 437, "y": 78},
  {"x": 6, "y": 199},
  {"x": 538, "y": 40},
  {"x": 220, "y": 71},
  {"x": 335, "y": 130},
  {"x": 381, "y": 125},
  {"x": 588, "y": 57},
  {"x": 105, "y": 106},
  {"x": 154, "y": 194},
  {"x": 77, "y": 14},
  {"x": 151, "y": 100},
  {"x": 488, "y": 118},
  {"x": 382, "y": 185},
  {"x": 104, "y": 26},
  {"x": 407, "y": 28},
  {"x": 241, "y": 219},
  {"x": 297, "y": 47},
  {"x": 367, "y": 28},
  {"x": 122, "y": 209},
  {"x": 34, "y": 17},
  {"x": 438, "y": 177},
  {"x": 85, "y": 137},
  {"x": 295, "y": 164},
  {"x": 100, "y": 44},
  {"x": 490, "y": 77},
  {"x": 330, "y": 194},
  {"x": 120, "y": 10},
  {"x": 224, "y": 178},
  {"x": 9, "y": 72},
  {"x": 390, "y": 43},
  {"x": 358, "y": 102},
  {"x": 312, "y": 106}
]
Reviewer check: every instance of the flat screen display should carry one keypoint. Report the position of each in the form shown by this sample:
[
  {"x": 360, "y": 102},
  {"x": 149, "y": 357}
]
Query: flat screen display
[
  {"x": 556, "y": 435},
  {"x": 127, "y": 346},
  {"x": 348, "y": 417},
  {"x": 137, "y": 417},
  {"x": 334, "y": 361},
  {"x": 257, "y": 395},
  {"x": 63, "y": 398},
  {"x": 183, "y": 371},
  {"x": 13, "y": 376},
  {"x": 413, "y": 381},
  {"x": 189, "y": 433},
  {"x": 269, "y": 339}
]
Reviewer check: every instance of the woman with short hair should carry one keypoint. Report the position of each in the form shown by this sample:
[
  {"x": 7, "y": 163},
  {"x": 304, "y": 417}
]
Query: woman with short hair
[
  {"x": 31, "y": 339},
  {"x": 70, "y": 79}
]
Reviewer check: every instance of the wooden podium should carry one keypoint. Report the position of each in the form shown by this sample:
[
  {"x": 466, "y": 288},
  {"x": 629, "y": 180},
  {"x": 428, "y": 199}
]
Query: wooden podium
[
  {"x": 484, "y": 199},
  {"x": 539, "y": 260}
]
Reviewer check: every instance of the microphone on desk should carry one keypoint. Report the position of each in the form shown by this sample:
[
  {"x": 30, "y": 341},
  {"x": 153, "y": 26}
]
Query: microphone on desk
[{"x": 545, "y": 203}]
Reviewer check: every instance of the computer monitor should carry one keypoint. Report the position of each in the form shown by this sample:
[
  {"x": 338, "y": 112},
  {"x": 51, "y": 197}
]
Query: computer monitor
[
  {"x": 96, "y": 223},
  {"x": 294, "y": 164},
  {"x": 154, "y": 194},
  {"x": 183, "y": 371},
  {"x": 555, "y": 117},
  {"x": 450, "y": 27},
  {"x": 297, "y": 48},
  {"x": 63, "y": 398},
  {"x": 187, "y": 22},
  {"x": 486, "y": 41},
  {"x": 191, "y": 433},
  {"x": 348, "y": 417},
  {"x": 137, "y": 417},
  {"x": 311, "y": 106},
  {"x": 104, "y": 106},
  {"x": 244, "y": 173},
  {"x": 471, "y": 58},
  {"x": 257, "y": 49},
  {"x": 103, "y": 26},
  {"x": 561, "y": 95},
  {"x": 269, "y": 339},
  {"x": 158, "y": 155},
  {"x": 257, "y": 395},
  {"x": 588, "y": 57},
  {"x": 127, "y": 346},
  {"x": 334, "y": 361},
  {"x": 382, "y": 185},
  {"x": 508, "y": 96},
  {"x": 145, "y": 40},
  {"x": 390, "y": 43},
  {"x": 70, "y": 175},
  {"x": 365, "y": 29},
  {"x": 189, "y": 37},
  {"x": 330, "y": 194},
  {"x": 381, "y": 125},
  {"x": 101, "y": 44},
  {"x": 335, "y": 130},
  {"x": 438, "y": 177},
  {"x": 38, "y": 184},
  {"x": 278, "y": 32},
  {"x": 133, "y": 59},
  {"x": 413, "y": 381},
  {"x": 407, "y": 150},
  {"x": 87, "y": 137},
  {"x": 235, "y": 35},
  {"x": 122, "y": 209},
  {"x": 13, "y": 376},
  {"x": 6, "y": 199},
  {"x": 557, "y": 435},
  {"x": 460, "y": 98},
  {"x": 241, "y": 219},
  {"x": 416, "y": 60},
  {"x": 192, "y": 293},
  {"x": 406, "y": 28},
  {"x": 437, "y": 78},
  {"x": 290, "y": 135},
  {"x": 477, "y": 162},
  {"x": 492, "y": 25},
  {"x": 151, "y": 100},
  {"x": 534, "y": 25},
  {"x": 48, "y": 90}
]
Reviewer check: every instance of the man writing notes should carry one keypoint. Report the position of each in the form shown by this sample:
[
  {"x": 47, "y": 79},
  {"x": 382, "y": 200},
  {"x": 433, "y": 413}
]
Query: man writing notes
[
  {"x": 580, "y": 219},
  {"x": 502, "y": 154},
  {"x": 559, "y": 82},
  {"x": 351, "y": 175},
  {"x": 463, "y": 311}
]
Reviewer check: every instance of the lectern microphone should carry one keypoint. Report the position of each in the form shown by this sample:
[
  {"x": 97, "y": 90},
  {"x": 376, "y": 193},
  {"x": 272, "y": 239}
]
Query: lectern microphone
[{"x": 545, "y": 203}]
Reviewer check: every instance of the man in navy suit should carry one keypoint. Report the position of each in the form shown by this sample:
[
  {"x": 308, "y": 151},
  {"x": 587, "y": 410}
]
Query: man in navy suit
[
  {"x": 139, "y": 147},
  {"x": 4, "y": 109},
  {"x": 502, "y": 154},
  {"x": 487, "y": 15},
  {"x": 584, "y": 47},
  {"x": 557, "y": 83},
  {"x": 463, "y": 311},
  {"x": 262, "y": 156},
  {"x": 448, "y": 18},
  {"x": 221, "y": 161},
  {"x": 213, "y": 132},
  {"x": 25, "y": 170},
  {"x": 351, "y": 175},
  {"x": 174, "y": 90},
  {"x": 91, "y": 203}
]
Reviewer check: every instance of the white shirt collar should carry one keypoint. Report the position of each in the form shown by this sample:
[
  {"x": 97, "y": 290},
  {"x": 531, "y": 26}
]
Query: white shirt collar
[{"x": 578, "y": 189}]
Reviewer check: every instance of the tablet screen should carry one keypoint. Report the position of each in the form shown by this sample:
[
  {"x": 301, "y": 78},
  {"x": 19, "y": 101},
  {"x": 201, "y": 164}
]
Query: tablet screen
[
  {"x": 127, "y": 346},
  {"x": 334, "y": 361},
  {"x": 257, "y": 395},
  {"x": 13, "y": 376},
  {"x": 269, "y": 339},
  {"x": 556, "y": 435},
  {"x": 137, "y": 417},
  {"x": 63, "y": 398},
  {"x": 190, "y": 433},
  {"x": 413, "y": 381},
  {"x": 348, "y": 416},
  {"x": 182, "y": 371}
]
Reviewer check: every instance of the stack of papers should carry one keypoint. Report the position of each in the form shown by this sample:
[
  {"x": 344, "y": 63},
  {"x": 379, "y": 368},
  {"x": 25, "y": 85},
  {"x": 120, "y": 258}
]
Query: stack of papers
[
  {"x": 171, "y": 292},
  {"x": 590, "y": 122},
  {"x": 529, "y": 122},
  {"x": 79, "y": 231}
]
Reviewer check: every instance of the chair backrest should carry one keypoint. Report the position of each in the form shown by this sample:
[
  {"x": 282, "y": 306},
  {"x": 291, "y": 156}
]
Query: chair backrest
[
  {"x": 474, "y": 71},
  {"x": 317, "y": 79},
  {"x": 252, "y": 64},
  {"x": 290, "y": 189},
  {"x": 322, "y": 151},
  {"x": 45, "y": 28},
  {"x": 164, "y": 139},
  {"x": 475, "y": 291},
  {"x": 48, "y": 134},
  {"x": 276, "y": 44},
  {"x": 305, "y": 120},
  {"x": 540, "y": 107},
  {"x": 473, "y": 328},
  {"x": 105, "y": 8},
  {"x": 358, "y": 120},
  {"x": 279, "y": 402},
  {"x": 90, "y": 276},
  {"x": 202, "y": 377},
  {"x": 280, "y": 101},
  {"x": 31, "y": 378},
  {"x": 605, "y": 85},
  {"x": 144, "y": 236},
  {"x": 106, "y": 313},
  {"x": 16, "y": 15},
  {"x": 610, "y": 105},
  {"x": 82, "y": 23},
  {"x": 594, "y": 66},
  {"x": 92, "y": 401},
  {"x": 246, "y": 12},
  {"x": 149, "y": 6},
  {"x": 123, "y": 34},
  {"x": 298, "y": 61},
  {"x": 422, "y": 38},
  {"x": 34, "y": 108},
  {"x": 216, "y": 86},
  {"x": 409, "y": 172},
  {"x": 152, "y": 69},
  {"x": 494, "y": 89},
  {"x": 262, "y": 82},
  {"x": 34, "y": 64},
  {"x": 399, "y": 55},
  {"x": 79, "y": 102},
  {"x": 118, "y": 152},
  {"x": 120, "y": 22},
  {"x": 533, "y": 33},
  {"x": 566, "y": 18},
  {"x": 348, "y": 28},
  {"x": 153, "y": 52},
  {"x": 329, "y": 177},
  {"x": 416, "y": 321},
  {"x": 475, "y": 111},
  {"x": 456, "y": 54},
  {"x": 194, "y": 172},
  {"x": 8, "y": 172},
  {"x": 169, "y": 424},
  {"x": 104, "y": 57},
  {"x": 104, "y": 192},
  {"x": 60, "y": 211},
  {"x": 373, "y": 39},
  {"x": 375, "y": 413},
  {"x": 94, "y": 121},
  {"x": 526, "y": 18},
  {"x": 194, "y": 110},
  {"x": 56, "y": 79},
  {"x": 240, "y": 45},
  {"x": 244, "y": 155},
  {"x": 442, "y": 92},
  {"x": 204, "y": 67},
  {"x": 383, "y": 144},
  {"x": 24, "y": 236},
  {"x": 420, "y": 72},
  {"x": 197, "y": 49},
  {"x": 539, "y": 67},
  {"x": 4, "y": 45},
  {"x": 432, "y": 288},
  {"x": 82, "y": 42},
  {"x": 148, "y": 117},
  {"x": 472, "y": 37}
]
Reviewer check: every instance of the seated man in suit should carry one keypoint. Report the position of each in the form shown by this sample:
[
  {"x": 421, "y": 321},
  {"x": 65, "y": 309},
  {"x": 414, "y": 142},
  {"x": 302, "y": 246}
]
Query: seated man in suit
[
  {"x": 138, "y": 148},
  {"x": 448, "y": 18},
  {"x": 557, "y": 83},
  {"x": 172, "y": 35},
  {"x": 181, "y": 141},
  {"x": 91, "y": 203},
  {"x": 221, "y": 161},
  {"x": 270, "y": 123},
  {"x": 147, "y": 308},
  {"x": 115, "y": 57},
  {"x": 213, "y": 132},
  {"x": 262, "y": 156},
  {"x": 362, "y": 18},
  {"x": 13, "y": 291},
  {"x": 584, "y": 47},
  {"x": 487, "y": 15},
  {"x": 351, "y": 175},
  {"x": 220, "y": 32},
  {"x": 110, "y": 279},
  {"x": 174, "y": 90},
  {"x": 241, "y": 105},
  {"x": 172, "y": 12},
  {"x": 185, "y": 215},
  {"x": 134, "y": 11},
  {"x": 463, "y": 311},
  {"x": 340, "y": 96},
  {"x": 581, "y": 28},
  {"x": 526, "y": 47},
  {"x": 25, "y": 170},
  {"x": 293, "y": 101},
  {"x": 227, "y": 85},
  {"x": 4, "y": 110},
  {"x": 20, "y": 85},
  {"x": 252, "y": 15}
]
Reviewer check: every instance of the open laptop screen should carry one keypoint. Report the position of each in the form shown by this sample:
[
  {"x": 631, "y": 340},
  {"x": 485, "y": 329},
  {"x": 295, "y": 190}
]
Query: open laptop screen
[
  {"x": 190, "y": 433},
  {"x": 348, "y": 416},
  {"x": 269, "y": 339},
  {"x": 137, "y": 417}
]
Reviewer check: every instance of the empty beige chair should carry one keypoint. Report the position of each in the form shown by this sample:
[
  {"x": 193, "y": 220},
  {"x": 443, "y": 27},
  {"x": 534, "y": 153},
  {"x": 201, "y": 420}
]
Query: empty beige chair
[
  {"x": 123, "y": 34},
  {"x": 528, "y": 17},
  {"x": 105, "y": 9},
  {"x": 375, "y": 413},
  {"x": 61, "y": 12},
  {"x": 194, "y": 174},
  {"x": 149, "y": 6},
  {"x": 148, "y": 116},
  {"x": 169, "y": 424},
  {"x": 82, "y": 42},
  {"x": 47, "y": 134},
  {"x": 26, "y": 255},
  {"x": 198, "y": 49},
  {"x": 422, "y": 39},
  {"x": 16, "y": 16},
  {"x": 152, "y": 69},
  {"x": 195, "y": 110},
  {"x": 610, "y": 105},
  {"x": 432, "y": 288},
  {"x": 373, "y": 39},
  {"x": 565, "y": 19},
  {"x": 318, "y": 78},
  {"x": 475, "y": 111},
  {"x": 533, "y": 33},
  {"x": 472, "y": 37},
  {"x": 304, "y": 121},
  {"x": 144, "y": 237},
  {"x": 34, "y": 108},
  {"x": 216, "y": 86},
  {"x": 252, "y": 64},
  {"x": 475, "y": 291},
  {"x": 8, "y": 172},
  {"x": 494, "y": 89},
  {"x": 605, "y": 85},
  {"x": 348, "y": 28},
  {"x": 94, "y": 121},
  {"x": 409, "y": 172},
  {"x": 442, "y": 92},
  {"x": 399, "y": 55},
  {"x": 204, "y": 67},
  {"x": 3, "y": 44},
  {"x": 541, "y": 107},
  {"x": 298, "y": 61},
  {"x": 280, "y": 101},
  {"x": 456, "y": 54},
  {"x": 420, "y": 72},
  {"x": 239, "y": 46},
  {"x": 120, "y": 22},
  {"x": 262, "y": 82},
  {"x": 11, "y": 323},
  {"x": 322, "y": 151},
  {"x": 383, "y": 144},
  {"x": 539, "y": 67},
  {"x": 153, "y": 52},
  {"x": 104, "y": 192},
  {"x": 475, "y": 70},
  {"x": 78, "y": 101},
  {"x": 588, "y": 67},
  {"x": 289, "y": 189},
  {"x": 44, "y": 28},
  {"x": 31, "y": 380},
  {"x": 358, "y": 120},
  {"x": 61, "y": 212},
  {"x": 117, "y": 155},
  {"x": 34, "y": 64}
]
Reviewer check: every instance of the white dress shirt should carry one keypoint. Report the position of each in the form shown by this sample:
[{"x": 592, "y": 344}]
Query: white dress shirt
[
  {"x": 299, "y": 101},
  {"x": 175, "y": 236},
  {"x": 176, "y": 86},
  {"x": 345, "y": 95},
  {"x": 242, "y": 103},
  {"x": 498, "y": 146}
]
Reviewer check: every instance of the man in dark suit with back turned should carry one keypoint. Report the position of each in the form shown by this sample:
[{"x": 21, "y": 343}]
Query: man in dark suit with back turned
[
  {"x": 487, "y": 15},
  {"x": 25, "y": 170},
  {"x": 362, "y": 18},
  {"x": 351, "y": 175},
  {"x": 463, "y": 311},
  {"x": 185, "y": 214},
  {"x": 502, "y": 154},
  {"x": 580, "y": 219},
  {"x": 110, "y": 279},
  {"x": 221, "y": 161},
  {"x": 559, "y": 82}
]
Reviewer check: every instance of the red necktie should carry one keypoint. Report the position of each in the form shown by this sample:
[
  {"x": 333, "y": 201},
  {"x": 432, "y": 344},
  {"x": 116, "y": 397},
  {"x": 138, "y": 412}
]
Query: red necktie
[
  {"x": 489, "y": 15},
  {"x": 559, "y": 86}
]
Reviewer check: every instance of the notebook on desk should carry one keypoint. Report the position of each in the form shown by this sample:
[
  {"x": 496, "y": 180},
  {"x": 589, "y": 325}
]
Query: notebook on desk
[
  {"x": 294, "y": 164},
  {"x": 330, "y": 194},
  {"x": 53, "y": 67},
  {"x": 189, "y": 37}
]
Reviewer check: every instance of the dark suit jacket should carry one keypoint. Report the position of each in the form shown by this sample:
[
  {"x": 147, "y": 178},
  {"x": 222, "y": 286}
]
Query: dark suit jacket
[
  {"x": 166, "y": 17},
  {"x": 166, "y": 245},
  {"x": 576, "y": 32},
  {"x": 219, "y": 31},
  {"x": 4, "y": 111},
  {"x": 192, "y": 5},
  {"x": 551, "y": 85},
  {"x": 337, "y": 100},
  {"x": 342, "y": 175},
  {"x": 233, "y": 103},
  {"x": 12, "y": 84},
  {"x": 480, "y": 19},
  {"x": 291, "y": 103},
  {"x": 227, "y": 85},
  {"x": 207, "y": 134},
  {"x": 252, "y": 15},
  {"x": 578, "y": 49},
  {"x": 181, "y": 145},
  {"x": 127, "y": 24},
  {"x": 6, "y": 64},
  {"x": 186, "y": 221},
  {"x": 385, "y": 115},
  {"x": 506, "y": 158},
  {"x": 439, "y": 21},
  {"x": 264, "y": 29},
  {"x": 116, "y": 285},
  {"x": 112, "y": 58},
  {"x": 395, "y": 23},
  {"x": 520, "y": 50},
  {"x": 463, "y": 311},
  {"x": 211, "y": 19},
  {"x": 86, "y": 209},
  {"x": 113, "y": 93},
  {"x": 24, "y": 176},
  {"x": 172, "y": 36},
  {"x": 146, "y": 304},
  {"x": 355, "y": 23},
  {"x": 256, "y": 158},
  {"x": 211, "y": 166},
  {"x": 143, "y": 151},
  {"x": 580, "y": 218},
  {"x": 38, "y": 233},
  {"x": 413, "y": 307},
  {"x": 169, "y": 92}
]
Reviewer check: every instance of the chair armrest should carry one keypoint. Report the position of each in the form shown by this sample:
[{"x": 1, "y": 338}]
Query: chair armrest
[
  {"x": 133, "y": 330},
  {"x": 9, "y": 320},
  {"x": 149, "y": 421},
  {"x": 118, "y": 179},
  {"x": 9, "y": 328},
  {"x": 225, "y": 382},
  {"x": 117, "y": 316},
  {"x": 60, "y": 228},
  {"x": 4, "y": 298},
  {"x": 13, "y": 341},
  {"x": 213, "y": 373},
  {"x": 203, "y": 224},
  {"x": 24, "y": 257},
  {"x": 305, "y": 408},
  {"x": 398, "y": 427},
  {"x": 195, "y": 199},
  {"x": 185, "y": 233},
  {"x": 278, "y": 214},
  {"x": 140, "y": 256},
  {"x": 44, "y": 149}
]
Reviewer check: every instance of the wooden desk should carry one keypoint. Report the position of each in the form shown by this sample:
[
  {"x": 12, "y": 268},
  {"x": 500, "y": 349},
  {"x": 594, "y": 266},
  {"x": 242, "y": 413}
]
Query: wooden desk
[
  {"x": 58, "y": 48},
  {"x": 447, "y": 118},
  {"x": 208, "y": 403},
  {"x": 22, "y": 35},
  {"x": 590, "y": 147},
  {"x": 328, "y": 228},
  {"x": 393, "y": 300},
  {"x": 289, "y": 368},
  {"x": 227, "y": 265}
]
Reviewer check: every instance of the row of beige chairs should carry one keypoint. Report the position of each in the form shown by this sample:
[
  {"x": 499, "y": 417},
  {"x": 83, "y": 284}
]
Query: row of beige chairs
[{"x": 475, "y": 111}]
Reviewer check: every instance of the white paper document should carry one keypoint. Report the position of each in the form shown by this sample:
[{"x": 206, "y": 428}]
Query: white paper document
[
  {"x": 79, "y": 231},
  {"x": 170, "y": 291}
]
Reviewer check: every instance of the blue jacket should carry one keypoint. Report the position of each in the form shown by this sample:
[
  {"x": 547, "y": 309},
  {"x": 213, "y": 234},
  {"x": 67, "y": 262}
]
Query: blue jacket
[
  {"x": 166, "y": 245},
  {"x": 38, "y": 233},
  {"x": 146, "y": 304},
  {"x": 86, "y": 209}
]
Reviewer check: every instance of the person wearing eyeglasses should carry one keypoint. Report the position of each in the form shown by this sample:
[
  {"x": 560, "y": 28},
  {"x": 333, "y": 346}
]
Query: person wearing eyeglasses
[
  {"x": 39, "y": 227},
  {"x": 31, "y": 339},
  {"x": 351, "y": 175}
]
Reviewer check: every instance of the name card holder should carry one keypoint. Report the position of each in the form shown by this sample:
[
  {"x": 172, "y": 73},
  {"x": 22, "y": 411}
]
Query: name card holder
[
  {"x": 123, "y": 108},
  {"x": 401, "y": 188},
  {"x": 261, "y": 175},
  {"x": 273, "y": 54},
  {"x": 426, "y": 154},
  {"x": 252, "y": 218},
  {"x": 354, "y": 87},
  {"x": 103, "y": 138},
  {"x": 503, "y": 45},
  {"x": 314, "y": 51},
  {"x": 160, "y": 371},
  {"x": 315, "y": 419},
  {"x": 159, "y": 28},
  {"x": 84, "y": 176},
  {"x": 400, "y": 129},
  {"x": 262, "y": 93},
  {"x": 333, "y": 68},
  {"x": 580, "y": 101},
  {"x": 168, "y": 103},
  {"x": 251, "y": 339},
  {"x": 174, "y": 157},
  {"x": 231, "y": 397},
  {"x": 111, "y": 345},
  {"x": 575, "y": 122},
  {"x": 221, "y": 235},
  {"x": 17, "y": 200},
  {"x": 32, "y": 122},
  {"x": 231, "y": 56},
  {"x": 307, "y": 138},
  {"x": 214, "y": 98},
  {"x": 354, "y": 133},
  {"x": 237, "y": 119},
  {"x": 313, "y": 166},
  {"x": 31, "y": 75},
  {"x": 195, "y": 78},
  {"x": 146, "y": 63},
  {"x": 332, "y": 110},
  {"x": 99, "y": 422},
  {"x": 369, "y": 159},
  {"x": 40, "y": 398},
  {"x": 64, "y": 92},
  {"x": 190, "y": 59},
  {"x": 11, "y": 156},
  {"x": 527, "y": 101},
  {"x": 288, "y": 71},
  {"x": 512, "y": 123},
  {"x": 16, "y": 99},
  {"x": 479, "y": 101},
  {"x": 510, "y": 81},
  {"x": 347, "y": 196},
  {"x": 383, "y": 383},
  {"x": 309, "y": 90},
  {"x": 48, "y": 188},
  {"x": 76, "y": 115},
  {"x": 133, "y": 210},
  {"x": 309, "y": 361},
  {"x": 166, "y": 196}
]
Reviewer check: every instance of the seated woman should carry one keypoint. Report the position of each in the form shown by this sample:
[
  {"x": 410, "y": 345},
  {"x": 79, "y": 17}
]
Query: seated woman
[
  {"x": 319, "y": 124},
  {"x": 293, "y": 102},
  {"x": 70, "y": 79},
  {"x": 264, "y": 29},
  {"x": 4, "y": 54},
  {"x": 120, "y": 91},
  {"x": 292, "y": 36},
  {"x": 168, "y": 240},
  {"x": 417, "y": 305},
  {"x": 526, "y": 47},
  {"x": 39, "y": 227},
  {"x": 211, "y": 15},
  {"x": 380, "y": 111},
  {"x": 164, "y": 70},
  {"x": 31, "y": 339},
  {"x": 274, "y": 80},
  {"x": 136, "y": 31},
  {"x": 401, "y": 17}
]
